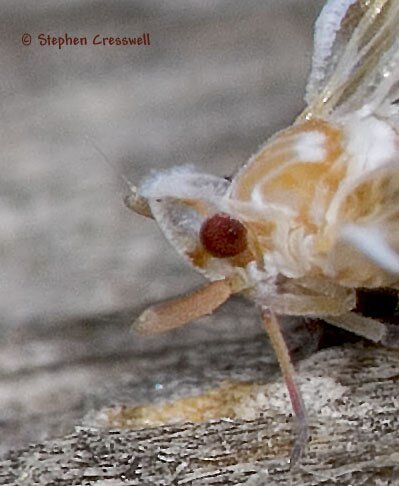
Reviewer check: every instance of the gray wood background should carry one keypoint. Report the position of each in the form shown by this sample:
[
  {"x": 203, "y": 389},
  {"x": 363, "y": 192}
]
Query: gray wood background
[
  {"x": 76, "y": 266},
  {"x": 352, "y": 400},
  {"x": 218, "y": 78}
]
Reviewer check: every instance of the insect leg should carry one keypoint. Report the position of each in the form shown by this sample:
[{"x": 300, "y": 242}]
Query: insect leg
[
  {"x": 273, "y": 329},
  {"x": 367, "y": 327},
  {"x": 180, "y": 311}
]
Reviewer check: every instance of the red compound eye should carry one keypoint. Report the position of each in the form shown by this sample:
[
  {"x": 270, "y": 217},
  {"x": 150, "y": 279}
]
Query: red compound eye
[{"x": 223, "y": 236}]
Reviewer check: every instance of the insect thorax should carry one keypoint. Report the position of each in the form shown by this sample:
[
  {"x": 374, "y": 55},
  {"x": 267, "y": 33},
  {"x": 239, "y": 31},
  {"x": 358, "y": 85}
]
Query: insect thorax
[{"x": 303, "y": 187}]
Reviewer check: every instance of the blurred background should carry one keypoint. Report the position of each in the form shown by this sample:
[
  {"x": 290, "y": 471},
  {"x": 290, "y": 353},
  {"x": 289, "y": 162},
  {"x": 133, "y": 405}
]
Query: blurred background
[{"x": 76, "y": 266}]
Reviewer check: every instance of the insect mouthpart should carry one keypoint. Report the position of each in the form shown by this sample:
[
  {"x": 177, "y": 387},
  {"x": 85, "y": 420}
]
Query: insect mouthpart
[{"x": 223, "y": 236}]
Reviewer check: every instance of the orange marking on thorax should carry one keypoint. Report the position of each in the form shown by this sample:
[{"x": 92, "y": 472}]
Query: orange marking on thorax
[
  {"x": 281, "y": 174},
  {"x": 199, "y": 256},
  {"x": 200, "y": 206}
]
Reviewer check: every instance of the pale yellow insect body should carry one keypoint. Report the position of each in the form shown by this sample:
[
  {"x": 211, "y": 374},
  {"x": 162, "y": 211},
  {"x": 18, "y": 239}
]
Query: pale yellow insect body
[
  {"x": 313, "y": 217},
  {"x": 307, "y": 185}
]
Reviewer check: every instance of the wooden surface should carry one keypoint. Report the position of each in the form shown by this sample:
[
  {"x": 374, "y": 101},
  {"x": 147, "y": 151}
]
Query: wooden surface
[
  {"x": 77, "y": 267},
  {"x": 352, "y": 400}
]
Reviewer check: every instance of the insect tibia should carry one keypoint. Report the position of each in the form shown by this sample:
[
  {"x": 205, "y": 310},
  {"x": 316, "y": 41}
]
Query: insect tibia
[{"x": 275, "y": 334}]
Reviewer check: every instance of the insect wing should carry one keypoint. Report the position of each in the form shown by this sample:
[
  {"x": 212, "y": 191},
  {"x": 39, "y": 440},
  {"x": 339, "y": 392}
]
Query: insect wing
[
  {"x": 355, "y": 63},
  {"x": 369, "y": 222}
]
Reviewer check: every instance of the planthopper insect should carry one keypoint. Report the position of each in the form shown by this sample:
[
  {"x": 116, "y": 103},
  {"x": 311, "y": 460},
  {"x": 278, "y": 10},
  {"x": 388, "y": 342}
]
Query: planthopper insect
[{"x": 310, "y": 220}]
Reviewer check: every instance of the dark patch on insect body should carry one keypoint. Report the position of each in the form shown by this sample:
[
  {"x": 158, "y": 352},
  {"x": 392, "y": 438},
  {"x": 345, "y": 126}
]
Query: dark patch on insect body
[{"x": 376, "y": 303}]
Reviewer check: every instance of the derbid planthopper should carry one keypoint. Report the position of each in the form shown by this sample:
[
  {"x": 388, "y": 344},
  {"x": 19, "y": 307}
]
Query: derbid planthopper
[{"x": 313, "y": 217}]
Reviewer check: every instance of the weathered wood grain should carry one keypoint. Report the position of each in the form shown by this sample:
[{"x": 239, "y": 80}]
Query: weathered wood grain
[{"x": 352, "y": 397}]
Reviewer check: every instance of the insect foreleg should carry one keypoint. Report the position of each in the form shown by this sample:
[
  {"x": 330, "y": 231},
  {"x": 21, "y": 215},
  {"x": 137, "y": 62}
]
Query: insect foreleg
[
  {"x": 273, "y": 329},
  {"x": 180, "y": 311}
]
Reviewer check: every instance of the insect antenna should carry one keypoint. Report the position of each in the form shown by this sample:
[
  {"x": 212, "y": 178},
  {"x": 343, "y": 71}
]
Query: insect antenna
[{"x": 133, "y": 201}]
